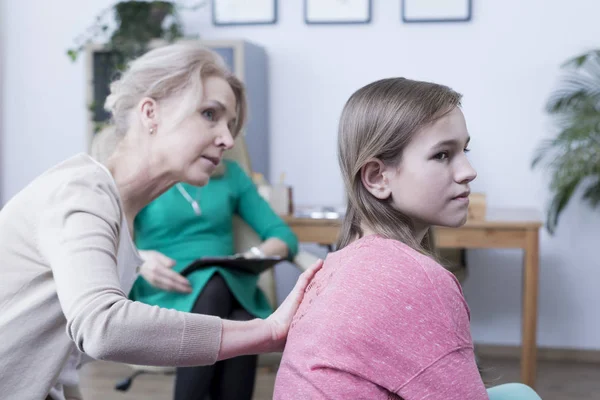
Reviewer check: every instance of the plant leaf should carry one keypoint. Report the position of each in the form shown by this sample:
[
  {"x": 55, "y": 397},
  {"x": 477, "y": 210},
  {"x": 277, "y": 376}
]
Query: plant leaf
[{"x": 72, "y": 55}]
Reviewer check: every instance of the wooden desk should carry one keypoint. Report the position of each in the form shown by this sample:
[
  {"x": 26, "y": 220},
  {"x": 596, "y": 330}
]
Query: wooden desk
[{"x": 500, "y": 230}]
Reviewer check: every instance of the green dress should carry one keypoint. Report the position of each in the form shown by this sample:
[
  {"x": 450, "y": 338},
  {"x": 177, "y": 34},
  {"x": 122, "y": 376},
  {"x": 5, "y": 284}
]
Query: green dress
[{"x": 170, "y": 225}]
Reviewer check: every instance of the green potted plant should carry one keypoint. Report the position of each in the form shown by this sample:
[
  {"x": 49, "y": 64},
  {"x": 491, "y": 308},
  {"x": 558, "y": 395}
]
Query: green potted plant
[
  {"x": 573, "y": 156},
  {"x": 137, "y": 23}
]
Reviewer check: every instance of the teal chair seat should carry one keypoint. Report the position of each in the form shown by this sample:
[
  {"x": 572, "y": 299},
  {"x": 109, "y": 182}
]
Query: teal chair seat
[{"x": 513, "y": 391}]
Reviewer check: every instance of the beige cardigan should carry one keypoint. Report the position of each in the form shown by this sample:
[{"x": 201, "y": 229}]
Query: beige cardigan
[{"x": 59, "y": 286}]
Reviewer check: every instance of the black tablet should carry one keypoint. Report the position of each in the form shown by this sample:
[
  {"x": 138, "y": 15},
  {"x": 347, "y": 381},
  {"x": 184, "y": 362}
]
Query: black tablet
[{"x": 252, "y": 265}]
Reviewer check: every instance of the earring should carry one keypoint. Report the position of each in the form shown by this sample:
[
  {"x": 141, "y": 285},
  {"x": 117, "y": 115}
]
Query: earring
[{"x": 151, "y": 131}]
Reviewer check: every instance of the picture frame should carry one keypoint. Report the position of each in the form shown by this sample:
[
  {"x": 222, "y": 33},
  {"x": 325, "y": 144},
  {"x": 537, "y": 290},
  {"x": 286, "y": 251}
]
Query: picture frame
[
  {"x": 326, "y": 12},
  {"x": 244, "y": 12},
  {"x": 416, "y": 11}
]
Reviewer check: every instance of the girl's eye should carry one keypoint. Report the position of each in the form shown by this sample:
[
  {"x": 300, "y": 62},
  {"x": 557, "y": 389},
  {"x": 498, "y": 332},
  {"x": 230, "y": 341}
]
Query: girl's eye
[
  {"x": 442, "y": 155},
  {"x": 209, "y": 114},
  {"x": 467, "y": 150}
]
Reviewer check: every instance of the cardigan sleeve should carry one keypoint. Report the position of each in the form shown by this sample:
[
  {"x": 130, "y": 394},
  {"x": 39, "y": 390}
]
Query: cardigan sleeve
[{"x": 78, "y": 236}]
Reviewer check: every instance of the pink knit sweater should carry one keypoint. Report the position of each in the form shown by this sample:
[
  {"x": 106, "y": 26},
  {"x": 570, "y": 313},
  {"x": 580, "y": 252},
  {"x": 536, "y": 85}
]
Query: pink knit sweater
[{"x": 380, "y": 321}]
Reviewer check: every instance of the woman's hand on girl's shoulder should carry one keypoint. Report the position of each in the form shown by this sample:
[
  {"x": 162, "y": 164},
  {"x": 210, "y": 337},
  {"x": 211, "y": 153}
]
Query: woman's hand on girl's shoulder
[{"x": 281, "y": 320}]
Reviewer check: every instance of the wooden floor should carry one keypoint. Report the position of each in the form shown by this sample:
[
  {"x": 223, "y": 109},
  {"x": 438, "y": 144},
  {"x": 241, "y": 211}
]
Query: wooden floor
[{"x": 556, "y": 381}]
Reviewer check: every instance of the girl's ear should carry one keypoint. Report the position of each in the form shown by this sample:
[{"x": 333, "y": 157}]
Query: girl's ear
[{"x": 374, "y": 178}]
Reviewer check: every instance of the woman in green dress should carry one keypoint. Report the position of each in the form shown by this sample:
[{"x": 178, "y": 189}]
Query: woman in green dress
[{"x": 189, "y": 222}]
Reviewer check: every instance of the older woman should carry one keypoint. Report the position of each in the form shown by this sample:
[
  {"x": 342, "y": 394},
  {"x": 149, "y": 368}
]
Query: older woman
[{"x": 66, "y": 252}]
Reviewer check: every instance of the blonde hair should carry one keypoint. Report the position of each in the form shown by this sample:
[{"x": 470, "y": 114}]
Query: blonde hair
[
  {"x": 378, "y": 121},
  {"x": 167, "y": 71},
  {"x": 104, "y": 144}
]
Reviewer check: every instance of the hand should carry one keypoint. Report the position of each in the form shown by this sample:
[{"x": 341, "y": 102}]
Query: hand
[
  {"x": 281, "y": 319},
  {"x": 157, "y": 271},
  {"x": 253, "y": 252},
  {"x": 248, "y": 255},
  {"x": 265, "y": 335}
]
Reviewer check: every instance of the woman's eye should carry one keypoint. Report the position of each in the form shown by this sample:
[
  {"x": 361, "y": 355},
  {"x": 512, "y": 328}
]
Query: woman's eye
[
  {"x": 442, "y": 155},
  {"x": 209, "y": 114},
  {"x": 467, "y": 150}
]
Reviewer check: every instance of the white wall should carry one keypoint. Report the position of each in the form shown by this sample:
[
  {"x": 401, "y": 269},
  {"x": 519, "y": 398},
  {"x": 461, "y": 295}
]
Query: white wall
[
  {"x": 504, "y": 62},
  {"x": 2, "y": 74}
]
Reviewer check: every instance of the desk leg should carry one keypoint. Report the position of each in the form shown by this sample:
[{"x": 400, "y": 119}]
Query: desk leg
[{"x": 530, "y": 298}]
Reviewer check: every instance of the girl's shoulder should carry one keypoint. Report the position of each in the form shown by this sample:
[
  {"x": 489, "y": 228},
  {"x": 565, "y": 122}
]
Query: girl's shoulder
[
  {"x": 380, "y": 256},
  {"x": 389, "y": 250},
  {"x": 391, "y": 268}
]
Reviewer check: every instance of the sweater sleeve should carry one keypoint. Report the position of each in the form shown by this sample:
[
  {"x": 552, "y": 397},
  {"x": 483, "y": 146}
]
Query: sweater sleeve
[
  {"x": 78, "y": 236},
  {"x": 258, "y": 213}
]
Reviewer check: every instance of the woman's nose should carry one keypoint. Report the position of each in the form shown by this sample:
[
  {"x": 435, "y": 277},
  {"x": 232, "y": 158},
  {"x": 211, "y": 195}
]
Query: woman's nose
[{"x": 225, "y": 139}]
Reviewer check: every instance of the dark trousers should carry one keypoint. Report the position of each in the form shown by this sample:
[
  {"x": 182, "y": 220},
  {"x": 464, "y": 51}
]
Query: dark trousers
[{"x": 231, "y": 379}]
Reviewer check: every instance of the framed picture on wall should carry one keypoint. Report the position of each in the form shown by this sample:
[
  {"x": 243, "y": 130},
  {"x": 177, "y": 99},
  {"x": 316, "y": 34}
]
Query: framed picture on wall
[
  {"x": 337, "y": 11},
  {"x": 244, "y": 12},
  {"x": 436, "y": 10}
]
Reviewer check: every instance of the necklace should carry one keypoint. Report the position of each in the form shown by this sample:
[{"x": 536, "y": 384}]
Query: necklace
[{"x": 193, "y": 202}]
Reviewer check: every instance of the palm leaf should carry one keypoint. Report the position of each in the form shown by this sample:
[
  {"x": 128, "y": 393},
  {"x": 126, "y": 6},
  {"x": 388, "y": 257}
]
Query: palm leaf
[
  {"x": 592, "y": 193},
  {"x": 573, "y": 155},
  {"x": 558, "y": 204},
  {"x": 580, "y": 60}
]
